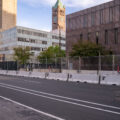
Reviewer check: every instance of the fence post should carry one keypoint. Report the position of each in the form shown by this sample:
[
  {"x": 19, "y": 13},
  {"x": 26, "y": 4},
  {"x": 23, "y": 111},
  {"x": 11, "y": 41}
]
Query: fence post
[
  {"x": 7, "y": 66},
  {"x": 113, "y": 63},
  {"x": 61, "y": 64},
  {"x": 68, "y": 62},
  {"x": 46, "y": 63},
  {"x": 99, "y": 68},
  {"x": 79, "y": 64},
  {"x": 17, "y": 67},
  {"x": 55, "y": 63}
]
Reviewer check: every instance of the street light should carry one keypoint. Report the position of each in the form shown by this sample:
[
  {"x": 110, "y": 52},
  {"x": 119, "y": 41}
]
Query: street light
[
  {"x": 60, "y": 70},
  {"x": 59, "y": 45}
]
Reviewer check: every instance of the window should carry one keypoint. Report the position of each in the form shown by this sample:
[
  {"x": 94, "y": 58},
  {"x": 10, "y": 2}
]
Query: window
[
  {"x": 22, "y": 39},
  {"x": 85, "y": 21},
  {"x": 32, "y": 40},
  {"x": 116, "y": 35},
  {"x": 55, "y": 44},
  {"x": 44, "y": 42},
  {"x": 93, "y": 18},
  {"x": 35, "y": 49},
  {"x": 26, "y": 40},
  {"x": 62, "y": 13},
  {"x": 55, "y": 37},
  {"x": 111, "y": 14},
  {"x": 55, "y": 19},
  {"x": 101, "y": 17},
  {"x": 106, "y": 37},
  {"x": 27, "y": 32}
]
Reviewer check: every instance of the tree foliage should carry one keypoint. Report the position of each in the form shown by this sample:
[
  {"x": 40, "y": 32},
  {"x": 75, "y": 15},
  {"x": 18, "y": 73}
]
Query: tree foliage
[
  {"x": 22, "y": 55},
  {"x": 88, "y": 49},
  {"x": 51, "y": 52}
]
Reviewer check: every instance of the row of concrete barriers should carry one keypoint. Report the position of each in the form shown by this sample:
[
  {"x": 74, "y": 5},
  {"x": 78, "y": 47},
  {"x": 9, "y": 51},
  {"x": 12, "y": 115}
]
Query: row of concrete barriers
[{"x": 107, "y": 79}]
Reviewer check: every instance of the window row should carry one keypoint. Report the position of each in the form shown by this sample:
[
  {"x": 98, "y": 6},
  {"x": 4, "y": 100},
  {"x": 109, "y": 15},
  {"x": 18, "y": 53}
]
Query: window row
[
  {"x": 57, "y": 37},
  {"x": 31, "y": 40},
  {"x": 106, "y": 36},
  {"x": 31, "y": 33},
  {"x": 102, "y": 16}
]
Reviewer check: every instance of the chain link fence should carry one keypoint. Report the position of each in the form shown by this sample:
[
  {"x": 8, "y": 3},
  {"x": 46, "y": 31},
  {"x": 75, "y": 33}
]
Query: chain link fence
[{"x": 70, "y": 64}]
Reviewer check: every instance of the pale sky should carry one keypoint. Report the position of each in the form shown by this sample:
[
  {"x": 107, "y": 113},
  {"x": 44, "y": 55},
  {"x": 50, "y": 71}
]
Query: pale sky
[{"x": 38, "y": 13}]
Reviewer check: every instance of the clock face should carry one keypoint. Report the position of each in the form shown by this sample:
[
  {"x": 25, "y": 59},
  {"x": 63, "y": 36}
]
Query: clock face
[
  {"x": 55, "y": 19},
  {"x": 62, "y": 13}
]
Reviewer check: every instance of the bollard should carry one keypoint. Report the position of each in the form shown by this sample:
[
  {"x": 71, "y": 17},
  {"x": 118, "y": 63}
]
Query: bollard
[
  {"x": 68, "y": 76},
  {"x": 99, "y": 82},
  {"x": 46, "y": 75}
]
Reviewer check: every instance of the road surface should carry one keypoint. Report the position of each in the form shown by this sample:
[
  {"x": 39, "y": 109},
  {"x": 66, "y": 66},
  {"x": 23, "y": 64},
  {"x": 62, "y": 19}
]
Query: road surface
[{"x": 63, "y": 100}]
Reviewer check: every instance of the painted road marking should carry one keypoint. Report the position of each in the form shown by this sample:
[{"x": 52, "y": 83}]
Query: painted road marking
[
  {"x": 53, "y": 95},
  {"x": 38, "y": 111},
  {"x": 65, "y": 101}
]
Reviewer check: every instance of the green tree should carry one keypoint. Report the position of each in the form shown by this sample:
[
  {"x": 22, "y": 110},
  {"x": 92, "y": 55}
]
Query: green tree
[
  {"x": 88, "y": 49},
  {"x": 50, "y": 54},
  {"x": 22, "y": 55}
]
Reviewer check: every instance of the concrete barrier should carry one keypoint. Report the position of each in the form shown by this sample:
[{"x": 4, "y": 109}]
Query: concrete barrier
[
  {"x": 13, "y": 73},
  {"x": 38, "y": 74},
  {"x": 23, "y": 74},
  {"x": 74, "y": 77},
  {"x": 3, "y": 72},
  {"x": 89, "y": 78},
  {"x": 58, "y": 76},
  {"x": 111, "y": 80}
]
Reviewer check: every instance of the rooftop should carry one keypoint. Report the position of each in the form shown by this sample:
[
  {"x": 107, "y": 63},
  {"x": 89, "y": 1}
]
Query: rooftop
[{"x": 58, "y": 4}]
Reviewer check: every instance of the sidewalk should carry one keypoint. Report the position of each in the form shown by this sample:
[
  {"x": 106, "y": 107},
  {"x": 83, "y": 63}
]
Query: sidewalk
[{"x": 11, "y": 111}]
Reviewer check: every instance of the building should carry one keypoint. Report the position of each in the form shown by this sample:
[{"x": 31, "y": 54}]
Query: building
[
  {"x": 58, "y": 16},
  {"x": 99, "y": 24},
  {"x": 8, "y": 12},
  {"x": 12, "y": 36},
  {"x": 37, "y": 40}
]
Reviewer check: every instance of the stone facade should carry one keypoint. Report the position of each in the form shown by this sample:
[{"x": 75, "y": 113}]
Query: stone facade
[
  {"x": 99, "y": 24},
  {"x": 8, "y": 12},
  {"x": 58, "y": 16}
]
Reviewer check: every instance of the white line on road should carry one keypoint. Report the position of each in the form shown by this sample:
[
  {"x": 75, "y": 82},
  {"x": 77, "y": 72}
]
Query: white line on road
[
  {"x": 65, "y": 101},
  {"x": 38, "y": 111},
  {"x": 53, "y": 95}
]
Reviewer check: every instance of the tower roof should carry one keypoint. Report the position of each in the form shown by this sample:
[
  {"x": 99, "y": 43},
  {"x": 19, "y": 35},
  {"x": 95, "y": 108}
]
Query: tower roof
[{"x": 58, "y": 4}]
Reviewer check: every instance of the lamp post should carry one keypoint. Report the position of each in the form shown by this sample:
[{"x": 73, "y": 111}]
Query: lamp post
[
  {"x": 59, "y": 45},
  {"x": 60, "y": 70}
]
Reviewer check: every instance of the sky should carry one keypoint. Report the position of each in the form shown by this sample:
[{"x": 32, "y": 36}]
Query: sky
[{"x": 37, "y": 14}]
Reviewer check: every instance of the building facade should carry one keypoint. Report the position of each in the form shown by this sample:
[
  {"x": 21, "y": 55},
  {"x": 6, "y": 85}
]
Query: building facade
[
  {"x": 36, "y": 40},
  {"x": 8, "y": 13},
  {"x": 58, "y": 16},
  {"x": 99, "y": 24}
]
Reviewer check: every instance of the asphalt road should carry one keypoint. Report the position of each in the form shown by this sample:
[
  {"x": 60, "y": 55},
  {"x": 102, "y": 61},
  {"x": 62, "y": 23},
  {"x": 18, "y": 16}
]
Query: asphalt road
[{"x": 65, "y": 100}]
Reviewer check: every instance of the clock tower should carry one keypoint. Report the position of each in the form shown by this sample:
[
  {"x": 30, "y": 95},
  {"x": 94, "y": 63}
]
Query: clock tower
[{"x": 58, "y": 16}]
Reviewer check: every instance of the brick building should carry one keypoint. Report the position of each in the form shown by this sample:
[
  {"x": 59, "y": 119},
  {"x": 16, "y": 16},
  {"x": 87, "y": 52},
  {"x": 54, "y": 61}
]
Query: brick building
[{"x": 99, "y": 24}]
